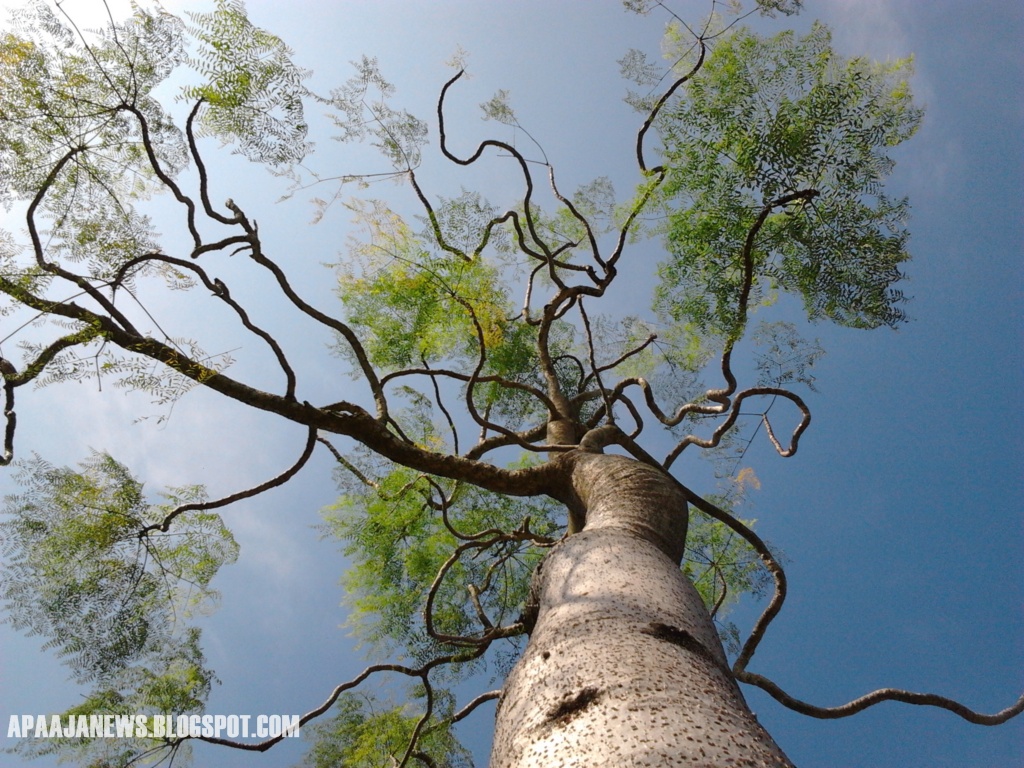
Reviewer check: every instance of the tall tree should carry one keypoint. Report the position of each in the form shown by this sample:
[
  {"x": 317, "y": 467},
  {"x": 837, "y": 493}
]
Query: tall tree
[{"x": 562, "y": 522}]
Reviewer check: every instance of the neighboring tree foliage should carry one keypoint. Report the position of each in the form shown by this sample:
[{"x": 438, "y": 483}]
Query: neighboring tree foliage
[{"x": 473, "y": 333}]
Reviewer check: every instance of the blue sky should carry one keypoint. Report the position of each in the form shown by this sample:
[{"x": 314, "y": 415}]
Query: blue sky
[{"x": 901, "y": 513}]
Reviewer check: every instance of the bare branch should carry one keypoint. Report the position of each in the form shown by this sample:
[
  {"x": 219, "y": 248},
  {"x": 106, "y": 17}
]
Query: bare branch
[
  {"x": 592, "y": 239},
  {"x": 53, "y": 269},
  {"x": 463, "y": 713},
  {"x": 877, "y": 697},
  {"x": 523, "y": 165},
  {"x": 281, "y": 479},
  {"x": 439, "y": 235},
  {"x": 734, "y": 413},
  {"x": 619, "y": 360},
  {"x": 256, "y": 253},
  {"x": 657, "y": 109},
  {"x": 204, "y": 179},
  {"x": 594, "y": 370}
]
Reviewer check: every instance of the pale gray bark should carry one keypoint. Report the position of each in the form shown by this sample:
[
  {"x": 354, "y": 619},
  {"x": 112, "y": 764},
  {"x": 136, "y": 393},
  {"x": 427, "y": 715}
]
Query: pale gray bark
[{"x": 624, "y": 666}]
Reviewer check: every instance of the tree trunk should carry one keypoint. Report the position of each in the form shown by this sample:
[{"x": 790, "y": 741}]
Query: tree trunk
[{"x": 624, "y": 666}]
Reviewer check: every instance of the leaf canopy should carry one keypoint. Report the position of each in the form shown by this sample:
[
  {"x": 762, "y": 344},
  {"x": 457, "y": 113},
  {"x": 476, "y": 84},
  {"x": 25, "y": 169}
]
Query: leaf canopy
[{"x": 781, "y": 137}]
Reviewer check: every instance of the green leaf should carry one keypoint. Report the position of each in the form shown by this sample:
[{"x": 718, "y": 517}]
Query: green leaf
[
  {"x": 78, "y": 572},
  {"x": 768, "y": 118},
  {"x": 253, "y": 92}
]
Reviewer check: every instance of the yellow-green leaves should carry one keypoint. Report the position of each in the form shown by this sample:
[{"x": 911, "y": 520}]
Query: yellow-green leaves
[
  {"x": 412, "y": 303},
  {"x": 365, "y": 732}
]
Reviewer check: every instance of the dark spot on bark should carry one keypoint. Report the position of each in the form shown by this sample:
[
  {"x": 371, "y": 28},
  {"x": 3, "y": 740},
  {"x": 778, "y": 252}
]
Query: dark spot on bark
[
  {"x": 683, "y": 639},
  {"x": 573, "y": 705}
]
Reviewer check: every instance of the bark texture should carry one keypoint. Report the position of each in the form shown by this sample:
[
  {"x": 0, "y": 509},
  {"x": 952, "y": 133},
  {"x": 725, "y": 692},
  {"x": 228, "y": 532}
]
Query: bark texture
[{"x": 624, "y": 666}]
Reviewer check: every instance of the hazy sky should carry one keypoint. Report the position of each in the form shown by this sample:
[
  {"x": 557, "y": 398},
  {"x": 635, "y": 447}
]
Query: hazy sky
[{"x": 900, "y": 515}]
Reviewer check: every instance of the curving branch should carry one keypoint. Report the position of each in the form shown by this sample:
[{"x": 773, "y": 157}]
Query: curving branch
[
  {"x": 467, "y": 710},
  {"x": 420, "y": 672},
  {"x": 591, "y": 237},
  {"x": 39, "y": 251},
  {"x": 257, "y": 255},
  {"x": 35, "y": 367},
  {"x": 619, "y": 360},
  {"x": 439, "y": 235},
  {"x": 491, "y": 632},
  {"x": 653, "y": 115},
  {"x": 733, "y": 415},
  {"x": 554, "y": 392},
  {"x": 281, "y": 479},
  {"x": 609, "y": 411},
  {"x": 505, "y": 147},
  {"x": 204, "y": 179},
  {"x": 877, "y": 697},
  {"x": 410, "y": 750},
  {"x": 487, "y": 444},
  {"x": 747, "y": 257},
  {"x": 165, "y": 179}
]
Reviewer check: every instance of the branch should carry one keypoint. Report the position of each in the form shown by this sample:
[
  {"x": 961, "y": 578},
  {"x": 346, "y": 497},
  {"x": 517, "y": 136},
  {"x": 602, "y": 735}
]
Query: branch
[
  {"x": 154, "y": 163},
  {"x": 474, "y": 378},
  {"x": 257, "y": 255},
  {"x": 281, "y": 479},
  {"x": 531, "y": 226},
  {"x": 439, "y": 235},
  {"x": 594, "y": 370},
  {"x": 619, "y": 360},
  {"x": 217, "y": 287},
  {"x": 734, "y": 413},
  {"x": 486, "y": 445},
  {"x": 38, "y": 250},
  {"x": 204, "y": 179},
  {"x": 747, "y": 254},
  {"x": 45, "y": 357},
  {"x": 422, "y": 672},
  {"x": 877, "y": 697},
  {"x": 523, "y": 533},
  {"x": 595, "y": 251},
  {"x": 13, "y": 379},
  {"x": 468, "y": 709},
  {"x": 657, "y": 108},
  {"x": 721, "y": 396},
  {"x": 341, "y": 418},
  {"x": 428, "y": 690}
]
